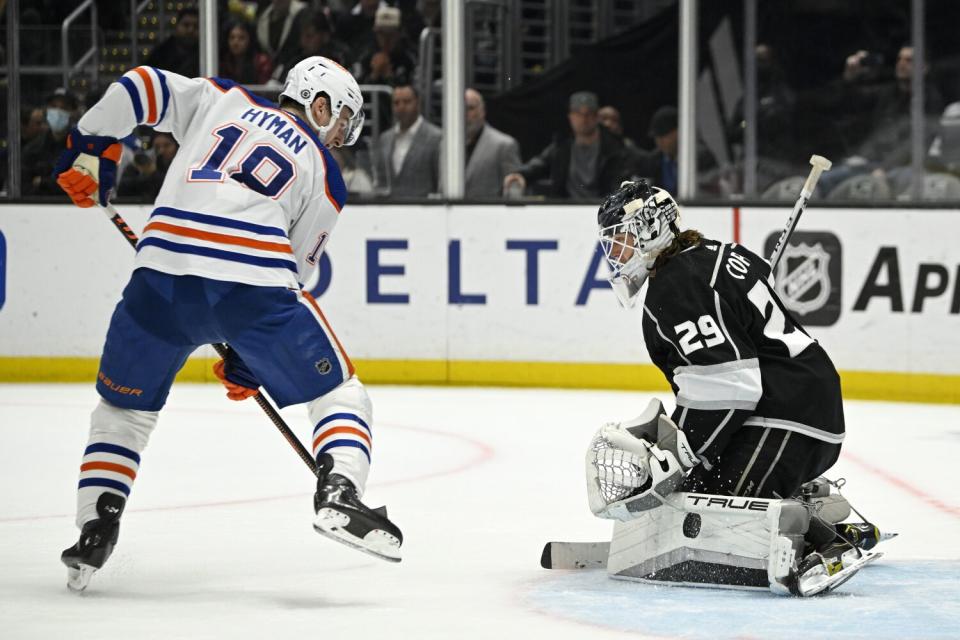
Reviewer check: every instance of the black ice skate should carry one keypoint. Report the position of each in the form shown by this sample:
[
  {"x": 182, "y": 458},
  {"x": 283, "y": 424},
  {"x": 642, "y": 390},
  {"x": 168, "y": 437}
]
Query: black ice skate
[
  {"x": 96, "y": 543},
  {"x": 342, "y": 517},
  {"x": 863, "y": 534}
]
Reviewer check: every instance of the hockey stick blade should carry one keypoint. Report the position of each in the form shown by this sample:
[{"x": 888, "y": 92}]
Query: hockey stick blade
[{"x": 575, "y": 555}]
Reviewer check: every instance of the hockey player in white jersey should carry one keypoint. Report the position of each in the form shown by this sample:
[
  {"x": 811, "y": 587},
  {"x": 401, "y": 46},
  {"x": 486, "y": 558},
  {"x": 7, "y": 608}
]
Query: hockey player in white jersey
[{"x": 244, "y": 213}]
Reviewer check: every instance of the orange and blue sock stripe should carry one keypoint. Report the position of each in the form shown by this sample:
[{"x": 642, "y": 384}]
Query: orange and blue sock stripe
[
  {"x": 342, "y": 430},
  {"x": 109, "y": 466}
]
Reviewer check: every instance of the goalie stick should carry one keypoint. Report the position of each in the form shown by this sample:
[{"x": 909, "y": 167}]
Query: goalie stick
[
  {"x": 221, "y": 350},
  {"x": 820, "y": 164}
]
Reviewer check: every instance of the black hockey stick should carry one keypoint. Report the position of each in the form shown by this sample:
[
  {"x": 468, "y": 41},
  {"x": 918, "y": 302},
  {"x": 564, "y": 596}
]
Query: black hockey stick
[
  {"x": 221, "y": 350},
  {"x": 820, "y": 164}
]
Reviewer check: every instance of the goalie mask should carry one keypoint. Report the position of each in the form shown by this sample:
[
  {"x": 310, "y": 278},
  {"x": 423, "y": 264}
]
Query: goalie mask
[
  {"x": 317, "y": 76},
  {"x": 636, "y": 222}
]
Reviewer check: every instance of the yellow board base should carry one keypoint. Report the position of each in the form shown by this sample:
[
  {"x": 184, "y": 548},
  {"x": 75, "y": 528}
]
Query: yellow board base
[{"x": 860, "y": 385}]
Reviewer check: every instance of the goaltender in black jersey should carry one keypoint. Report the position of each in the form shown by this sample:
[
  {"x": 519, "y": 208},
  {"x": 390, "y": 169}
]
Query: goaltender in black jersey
[{"x": 758, "y": 400}]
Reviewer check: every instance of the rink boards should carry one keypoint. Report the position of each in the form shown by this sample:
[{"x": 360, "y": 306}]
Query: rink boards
[{"x": 512, "y": 295}]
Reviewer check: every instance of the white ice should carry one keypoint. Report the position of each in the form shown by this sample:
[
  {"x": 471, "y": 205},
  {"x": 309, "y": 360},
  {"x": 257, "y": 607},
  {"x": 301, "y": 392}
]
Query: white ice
[{"x": 217, "y": 540}]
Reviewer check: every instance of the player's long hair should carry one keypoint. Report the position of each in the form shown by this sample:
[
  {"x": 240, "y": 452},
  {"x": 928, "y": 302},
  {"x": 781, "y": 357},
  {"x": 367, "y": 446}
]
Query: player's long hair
[{"x": 682, "y": 241}]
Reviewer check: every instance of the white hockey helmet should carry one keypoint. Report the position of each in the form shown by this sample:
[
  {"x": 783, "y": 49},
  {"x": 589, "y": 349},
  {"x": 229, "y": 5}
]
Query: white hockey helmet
[
  {"x": 317, "y": 75},
  {"x": 636, "y": 222}
]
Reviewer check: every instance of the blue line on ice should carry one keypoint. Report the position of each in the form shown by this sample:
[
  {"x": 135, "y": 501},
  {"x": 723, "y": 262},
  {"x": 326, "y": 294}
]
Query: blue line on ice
[{"x": 910, "y": 599}]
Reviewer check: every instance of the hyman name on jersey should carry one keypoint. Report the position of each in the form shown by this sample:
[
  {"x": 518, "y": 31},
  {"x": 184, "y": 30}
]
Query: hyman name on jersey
[{"x": 277, "y": 125}]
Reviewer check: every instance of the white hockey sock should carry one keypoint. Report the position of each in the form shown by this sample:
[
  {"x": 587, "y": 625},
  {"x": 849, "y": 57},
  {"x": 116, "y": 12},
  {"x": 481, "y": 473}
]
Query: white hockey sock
[
  {"x": 112, "y": 457},
  {"x": 342, "y": 427}
]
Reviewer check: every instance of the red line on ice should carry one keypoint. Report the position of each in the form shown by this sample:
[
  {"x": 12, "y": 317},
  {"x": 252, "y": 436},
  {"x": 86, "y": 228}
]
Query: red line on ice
[
  {"x": 484, "y": 452},
  {"x": 903, "y": 485}
]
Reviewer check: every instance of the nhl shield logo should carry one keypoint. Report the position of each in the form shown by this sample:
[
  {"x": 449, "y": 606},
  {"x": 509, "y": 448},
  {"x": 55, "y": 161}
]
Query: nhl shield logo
[
  {"x": 323, "y": 366},
  {"x": 803, "y": 281},
  {"x": 808, "y": 276}
]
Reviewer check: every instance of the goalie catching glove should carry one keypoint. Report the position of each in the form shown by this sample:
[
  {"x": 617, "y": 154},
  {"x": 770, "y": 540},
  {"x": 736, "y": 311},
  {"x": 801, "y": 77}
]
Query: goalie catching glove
[
  {"x": 631, "y": 467},
  {"x": 236, "y": 376},
  {"x": 88, "y": 167}
]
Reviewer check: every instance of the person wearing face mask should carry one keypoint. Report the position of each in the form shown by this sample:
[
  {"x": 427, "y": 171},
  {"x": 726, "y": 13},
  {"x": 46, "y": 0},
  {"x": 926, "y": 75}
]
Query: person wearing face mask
[
  {"x": 246, "y": 209},
  {"x": 38, "y": 154}
]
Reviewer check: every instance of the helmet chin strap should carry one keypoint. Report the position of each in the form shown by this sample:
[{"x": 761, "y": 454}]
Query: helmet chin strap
[{"x": 321, "y": 130}]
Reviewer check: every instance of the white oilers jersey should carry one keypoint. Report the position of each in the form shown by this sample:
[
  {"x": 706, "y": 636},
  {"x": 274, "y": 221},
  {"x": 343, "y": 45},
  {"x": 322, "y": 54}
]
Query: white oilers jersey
[{"x": 252, "y": 195}]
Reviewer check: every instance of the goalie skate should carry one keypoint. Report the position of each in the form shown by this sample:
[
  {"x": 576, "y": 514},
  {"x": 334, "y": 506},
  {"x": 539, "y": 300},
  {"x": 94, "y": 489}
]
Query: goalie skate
[
  {"x": 818, "y": 574},
  {"x": 342, "y": 517}
]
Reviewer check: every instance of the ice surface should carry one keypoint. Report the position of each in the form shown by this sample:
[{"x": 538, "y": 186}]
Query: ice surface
[{"x": 217, "y": 540}]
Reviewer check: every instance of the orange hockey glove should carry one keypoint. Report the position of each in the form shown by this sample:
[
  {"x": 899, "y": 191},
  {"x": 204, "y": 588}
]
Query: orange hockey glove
[
  {"x": 87, "y": 169},
  {"x": 236, "y": 377}
]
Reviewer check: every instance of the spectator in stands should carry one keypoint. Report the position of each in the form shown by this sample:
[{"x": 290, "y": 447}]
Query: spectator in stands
[
  {"x": 491, "y": 154},
  {"x": 660, "y": 165},
  {"x": 357, "y": 180},
  {"x": 778, "y": 153},
  {"x": 355, "y": 27},
  {"x": 316, "y": 39},
  {"x": 407, "y": 159},
  {"x": 33, "y": 123},
  {"x": 180, "y": 52},
  {"x": 278, "y": 33},
  {"x": 241, "y": 60},
  {"x": 390, "y": 60},
  {"x": 889, "y": 144},
  {"x": 887, "y": 151},
  {"x": 38, "y": 157},
  {"x": 609, "y": 117},
  {"x": 586, "y": 165},
  {"x": 419, "y": 15},
  {"x": 150, "y": 166}
]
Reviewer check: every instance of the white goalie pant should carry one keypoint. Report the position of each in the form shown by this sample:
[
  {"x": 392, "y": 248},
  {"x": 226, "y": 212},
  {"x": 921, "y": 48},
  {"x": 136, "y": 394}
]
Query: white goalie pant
[
  {"x": 111, "y": 460},
  {"x": 342, "y": 422}
]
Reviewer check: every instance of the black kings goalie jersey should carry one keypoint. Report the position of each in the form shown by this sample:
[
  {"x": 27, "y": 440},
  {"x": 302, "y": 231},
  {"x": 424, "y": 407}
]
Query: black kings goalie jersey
[{"x": 733, "y": 355}]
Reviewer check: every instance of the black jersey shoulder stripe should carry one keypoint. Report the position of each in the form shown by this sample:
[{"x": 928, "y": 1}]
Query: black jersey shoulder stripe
[
  {"x": 723, "y": 326},
  {"x": 656, "y": 323},
  {"x": 716, "y": 265}
]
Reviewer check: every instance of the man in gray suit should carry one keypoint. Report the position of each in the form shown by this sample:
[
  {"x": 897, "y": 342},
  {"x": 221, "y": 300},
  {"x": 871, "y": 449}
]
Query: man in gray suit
[
  {"x": 491, "y": 154},
  {"x": 407, "y": 162}
]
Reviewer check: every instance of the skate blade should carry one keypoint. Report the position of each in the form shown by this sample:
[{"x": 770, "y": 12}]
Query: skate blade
[
  {"x": 377, "y": 543},
  {"x": 828, "y": 583},
  {"x": 78, "y": 577}
]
